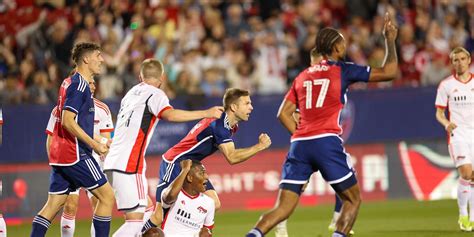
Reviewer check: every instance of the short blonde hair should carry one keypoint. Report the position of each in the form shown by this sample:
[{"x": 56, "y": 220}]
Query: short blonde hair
[
  {"x": 151, "y": 68},
  {"x": 458, "y": 50}
]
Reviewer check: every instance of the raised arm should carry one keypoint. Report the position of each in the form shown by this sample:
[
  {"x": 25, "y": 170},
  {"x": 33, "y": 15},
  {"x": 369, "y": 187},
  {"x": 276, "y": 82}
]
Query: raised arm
[
  {"x": 389, "y": 68},
  {"x": 177, "y": 115},
  {"x": 285, "y": 115},
  {"x": 235, "y": 156},
  {"x": 170, "y": 194}
]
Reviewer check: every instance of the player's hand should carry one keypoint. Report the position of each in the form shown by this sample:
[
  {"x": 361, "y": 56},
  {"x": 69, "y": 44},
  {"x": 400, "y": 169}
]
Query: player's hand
[
  {"x": 264, "y": 140},
  {"x": 100, "y": 149},
  {"x": 296, "y": 116},
  {"x": 214, "y": 112},
  {"x": 186, "y": 164},
  {"x": 451, "y": 127},
  {"x": 389, "y": 29},
  {"x": 205, "y": 232}
]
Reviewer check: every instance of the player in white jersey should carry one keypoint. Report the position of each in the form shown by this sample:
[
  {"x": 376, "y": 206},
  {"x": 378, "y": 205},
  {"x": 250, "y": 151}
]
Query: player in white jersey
[
  {"x": 190, "y": 212},
  {"x": 456, "y": 93},
  {"x": 140, "y": 110},
  {"x": 103, "y": 126}
]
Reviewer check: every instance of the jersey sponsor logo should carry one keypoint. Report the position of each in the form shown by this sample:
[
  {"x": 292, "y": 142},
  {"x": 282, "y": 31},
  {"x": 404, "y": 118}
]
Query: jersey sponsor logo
[{"x": 183, "y": 213}]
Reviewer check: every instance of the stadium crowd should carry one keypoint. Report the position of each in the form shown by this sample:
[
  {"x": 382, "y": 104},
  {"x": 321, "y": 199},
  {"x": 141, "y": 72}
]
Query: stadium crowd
[{"x": 210, "y": 45}]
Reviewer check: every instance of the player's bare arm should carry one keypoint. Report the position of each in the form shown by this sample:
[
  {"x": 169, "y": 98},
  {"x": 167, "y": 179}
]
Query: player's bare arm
[
  {"x": 71, "y": 126},
  {"x": 389, "y": 68},
  {"x": 286, "y": 116},
  {"x": 170, "y": 194},
  {"x": 177, "y": 115},
  {"x": 441, "y": 117},
  {"x": 235, "y": 156}
]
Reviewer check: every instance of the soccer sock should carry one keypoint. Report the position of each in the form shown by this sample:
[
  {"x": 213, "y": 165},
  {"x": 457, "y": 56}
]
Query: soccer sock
[
  {"x": 101, "y": 225},
  {"x": 3, "y": 227},
  {"x": 281, "y": 229},
  {"x": 255, "y": 232},
  {"x": 148, "y": 225},
  {"x": 464, "y": 189},
  {"x": 129, "y": 228},
  {"x": 40, "y": 226},
  {"x": 338, "y": 234},
  {"x": 471, "y": 203},
  {"x": 335, "y": 217},
  {"x": 68, "y": 224},
  {"x": 148, "y": 213},
  {"x": 92, "y": 229}
]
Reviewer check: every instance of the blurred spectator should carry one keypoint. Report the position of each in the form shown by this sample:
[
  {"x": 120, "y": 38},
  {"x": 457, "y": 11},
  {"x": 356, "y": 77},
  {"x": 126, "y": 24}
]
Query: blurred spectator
[{"x": 436, "y": 70}]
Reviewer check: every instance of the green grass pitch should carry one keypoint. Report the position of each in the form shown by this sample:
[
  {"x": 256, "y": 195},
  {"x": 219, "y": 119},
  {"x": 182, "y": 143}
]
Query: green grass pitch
[{"x": 403, "y": 218}]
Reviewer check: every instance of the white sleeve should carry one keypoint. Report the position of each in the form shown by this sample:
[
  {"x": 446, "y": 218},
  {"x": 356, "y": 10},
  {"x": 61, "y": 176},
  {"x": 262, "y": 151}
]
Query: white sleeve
[
  {"x": 209, "y": 221},
  {"x": 158, "y": 102},
  {"x": 163, "y": 204},
  {"x": 442, "y": 96},
  {"x": 51, "y": 122},
  {"x": 105, "y": 121}
]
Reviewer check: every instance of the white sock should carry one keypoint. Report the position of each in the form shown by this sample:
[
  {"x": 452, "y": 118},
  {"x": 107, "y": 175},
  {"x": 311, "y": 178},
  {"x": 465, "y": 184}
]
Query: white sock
[
  {"x": 335, "y": 217},
  {"x": 129, "y": 228},
  {"x": 68, "y": 224},
  {"x": 92, "y": 229},
  {"x": 471, "y": 203},
  {"x": 464, "y": 193},
  {"x": 148, "y": 213},
  {"x": 281, "y": 229},
  {"x": 3, "y": 227}
]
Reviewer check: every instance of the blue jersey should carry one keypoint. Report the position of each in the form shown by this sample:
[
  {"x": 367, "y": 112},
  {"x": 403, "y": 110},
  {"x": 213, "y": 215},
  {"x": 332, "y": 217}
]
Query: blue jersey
[
  {"x": 202, "y": 140},
  {"x": 74, "y": 96}
]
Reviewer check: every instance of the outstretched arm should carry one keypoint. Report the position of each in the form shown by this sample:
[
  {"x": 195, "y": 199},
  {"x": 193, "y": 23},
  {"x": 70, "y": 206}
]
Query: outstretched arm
[
  {"x": 389, "y": 68},
  {"x": 177, "y": 115},
  {"x": 235, "y": 156},
  {"x": 170, "y": 194}
]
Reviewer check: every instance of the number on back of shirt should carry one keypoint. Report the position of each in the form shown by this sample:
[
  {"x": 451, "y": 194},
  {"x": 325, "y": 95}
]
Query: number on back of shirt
[{"x": 324, "y": 83}]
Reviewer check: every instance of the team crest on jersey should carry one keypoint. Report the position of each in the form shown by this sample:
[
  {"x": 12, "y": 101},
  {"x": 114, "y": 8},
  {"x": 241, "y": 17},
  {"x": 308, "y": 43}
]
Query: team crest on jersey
[
  {"x": 91, "y": 109},
  {"x": 202, "y": 210}
]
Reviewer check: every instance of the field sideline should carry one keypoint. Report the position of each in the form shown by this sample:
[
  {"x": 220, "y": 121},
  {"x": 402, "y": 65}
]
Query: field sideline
[{"x": 377, "y": 219}]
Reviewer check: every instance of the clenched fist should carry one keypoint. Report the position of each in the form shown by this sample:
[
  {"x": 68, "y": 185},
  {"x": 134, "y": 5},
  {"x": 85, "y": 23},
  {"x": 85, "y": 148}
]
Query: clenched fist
[
  {"x": 214, "y": 112},
  {"x": 264, "y": 140}
]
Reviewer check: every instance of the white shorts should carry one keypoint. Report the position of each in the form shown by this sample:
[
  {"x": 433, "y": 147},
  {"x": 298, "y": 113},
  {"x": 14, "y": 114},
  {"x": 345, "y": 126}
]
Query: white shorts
[
  {"x": 131, "y": 191},
  {"x": 462, "y": 153}
]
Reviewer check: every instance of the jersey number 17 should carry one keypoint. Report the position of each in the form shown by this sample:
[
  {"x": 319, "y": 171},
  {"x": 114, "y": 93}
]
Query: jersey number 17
[{"x": 324, "y": 83}]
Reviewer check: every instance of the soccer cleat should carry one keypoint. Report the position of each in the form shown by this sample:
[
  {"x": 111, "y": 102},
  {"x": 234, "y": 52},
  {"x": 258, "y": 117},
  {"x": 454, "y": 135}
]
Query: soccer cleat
[
  {"x": 332, "y": 228},
  {"x": 464, "y": 223}
]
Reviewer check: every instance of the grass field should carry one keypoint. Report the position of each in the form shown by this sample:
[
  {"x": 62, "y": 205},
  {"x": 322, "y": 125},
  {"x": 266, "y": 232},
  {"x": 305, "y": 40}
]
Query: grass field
[{"x": 404, "y": 218}]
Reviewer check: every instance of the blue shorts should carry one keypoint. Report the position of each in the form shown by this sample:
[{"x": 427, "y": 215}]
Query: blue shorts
[
  {"x": 85, "y": 173},
  {"x": 168, "y": 173},
  {"x": 324, "y": 154}
]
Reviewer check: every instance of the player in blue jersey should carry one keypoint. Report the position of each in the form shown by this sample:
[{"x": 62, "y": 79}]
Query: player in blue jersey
[
  {"x": 319, "y": 92},
  {"x": 206, "y": 137},
  {"x": 70, "y": 152}
]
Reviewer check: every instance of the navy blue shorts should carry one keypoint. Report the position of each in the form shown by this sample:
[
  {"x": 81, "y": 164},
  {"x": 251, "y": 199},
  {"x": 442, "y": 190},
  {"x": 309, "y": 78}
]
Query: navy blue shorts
[
  {"x": 85, "y": 173},
  {"x": 168, "y": 173},
  {"x": 324, "y": 154}
]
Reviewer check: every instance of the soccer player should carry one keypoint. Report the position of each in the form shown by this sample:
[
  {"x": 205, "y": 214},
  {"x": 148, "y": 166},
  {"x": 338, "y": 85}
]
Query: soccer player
[
  {"x": 140, "y": 110},
  {"x": 204, "y": 139},
  {"x": 320, "y": 93},
  {"x": 103, "y": 127},
  {"x": 456, "y": 93},
  {"x": 190, "y": 210},
  {"x": 70, "y": 153}
]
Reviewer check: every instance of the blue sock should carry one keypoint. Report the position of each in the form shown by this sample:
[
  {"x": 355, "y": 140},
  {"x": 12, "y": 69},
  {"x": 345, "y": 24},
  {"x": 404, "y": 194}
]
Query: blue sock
[
  {"x": 148, "y": 225},
  {"x": 40, "y": 226},
  {"x": 101, "y": 225},
  {"x": 255, "y": 232},
  {"x": 338, "y": 206},
  {"x": 338, "y": 234}
]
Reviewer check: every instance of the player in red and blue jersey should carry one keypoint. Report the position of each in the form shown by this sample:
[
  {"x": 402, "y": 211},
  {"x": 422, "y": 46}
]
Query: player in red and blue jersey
[
  {"x": 70, "y": 153},
  {"x": 205, "y": 138},
  {"x": 319, "y": 92}
]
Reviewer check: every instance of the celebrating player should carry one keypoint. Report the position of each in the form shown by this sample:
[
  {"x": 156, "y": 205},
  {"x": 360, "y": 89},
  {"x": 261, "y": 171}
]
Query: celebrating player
[
  {"x": 320, "y": 93},
  {"x": 456, "y": 94},
  {"x": 203, "y": 140},
  {"x": 70, "y": 153},
  {"x": 140, "y": 110},
  {"x": 103, "y": 127}
]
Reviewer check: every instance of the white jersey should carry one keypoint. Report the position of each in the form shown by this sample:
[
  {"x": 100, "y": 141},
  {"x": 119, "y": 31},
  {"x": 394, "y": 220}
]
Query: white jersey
[
  {"x": 139, "y": 113},
  {"x": 102, "y": 121},
  {"x": 1, "y": 117},
  {"x": 458, "y": 98},
  {"x": 188, "y": 215}
]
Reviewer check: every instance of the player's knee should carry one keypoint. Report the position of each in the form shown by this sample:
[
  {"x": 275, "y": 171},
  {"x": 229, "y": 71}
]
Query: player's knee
[{"x": 70, "y": 207}]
